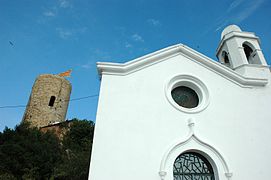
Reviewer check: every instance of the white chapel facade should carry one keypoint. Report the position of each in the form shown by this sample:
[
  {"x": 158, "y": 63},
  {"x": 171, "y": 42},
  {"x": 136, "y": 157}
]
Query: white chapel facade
[{"x": 176, "y": 114}]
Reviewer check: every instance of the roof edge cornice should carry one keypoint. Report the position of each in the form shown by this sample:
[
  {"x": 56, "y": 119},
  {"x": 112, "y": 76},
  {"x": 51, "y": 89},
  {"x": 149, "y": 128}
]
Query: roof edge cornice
[
  {"x": 138, "y": 63},
  {"x": 122, "y": 69}
]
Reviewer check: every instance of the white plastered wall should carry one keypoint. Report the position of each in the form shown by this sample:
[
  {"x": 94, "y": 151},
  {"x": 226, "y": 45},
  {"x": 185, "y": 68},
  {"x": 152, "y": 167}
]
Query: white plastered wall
[{"x": 136, "y": 125}]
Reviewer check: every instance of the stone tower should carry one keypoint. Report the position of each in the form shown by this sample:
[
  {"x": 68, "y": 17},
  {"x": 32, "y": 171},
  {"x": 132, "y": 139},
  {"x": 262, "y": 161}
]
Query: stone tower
[{"x": 49, "y": 100}]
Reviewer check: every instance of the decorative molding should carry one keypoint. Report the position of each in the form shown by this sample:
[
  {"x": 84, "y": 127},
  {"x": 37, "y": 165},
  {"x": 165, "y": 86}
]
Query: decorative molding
[
  {"x": 162, "y": 174},
  {"x": 252, "y": 65},
  {"x": 122, "y": 69},
  {"x": 228, "y": 175},
  {"x": 191, "y": 125},
  {"x": 192, "y": 137}
]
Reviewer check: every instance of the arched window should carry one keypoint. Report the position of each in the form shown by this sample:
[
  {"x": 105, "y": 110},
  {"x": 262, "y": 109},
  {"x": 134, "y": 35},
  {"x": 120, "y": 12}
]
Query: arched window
[
  {"x": 248, "y": 51},
  {"x": 52, "y": 101},
  {"x": 192, "y": 166}
]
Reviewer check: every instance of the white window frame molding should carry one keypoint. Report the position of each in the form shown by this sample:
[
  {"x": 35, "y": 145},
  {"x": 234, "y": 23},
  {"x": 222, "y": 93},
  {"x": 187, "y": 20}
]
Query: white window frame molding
[
  {"x": 194, "y": 144},
  {"x": 193, "y": 83}
]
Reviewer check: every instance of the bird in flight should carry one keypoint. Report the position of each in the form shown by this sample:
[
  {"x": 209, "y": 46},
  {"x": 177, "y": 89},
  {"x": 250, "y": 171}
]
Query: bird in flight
[{"x": 10, "y": 43}]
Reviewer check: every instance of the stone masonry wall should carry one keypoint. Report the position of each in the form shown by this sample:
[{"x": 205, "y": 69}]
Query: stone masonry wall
[{"x": 38, "y": 112}]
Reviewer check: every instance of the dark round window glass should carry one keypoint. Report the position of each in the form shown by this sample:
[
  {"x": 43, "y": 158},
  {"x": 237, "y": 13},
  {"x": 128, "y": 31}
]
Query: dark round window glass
[
  {"x": 192, "y": 166},
  {"x": 185, "y": 97}
]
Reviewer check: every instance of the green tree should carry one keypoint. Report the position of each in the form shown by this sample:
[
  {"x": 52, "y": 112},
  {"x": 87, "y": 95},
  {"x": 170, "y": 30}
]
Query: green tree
[
  {"x": 27, "y": 153},
  {"x": 77, "y": 145}
]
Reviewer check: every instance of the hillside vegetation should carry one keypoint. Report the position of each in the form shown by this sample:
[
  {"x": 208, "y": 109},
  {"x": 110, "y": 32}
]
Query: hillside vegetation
[{"x": 27, "y": 153}]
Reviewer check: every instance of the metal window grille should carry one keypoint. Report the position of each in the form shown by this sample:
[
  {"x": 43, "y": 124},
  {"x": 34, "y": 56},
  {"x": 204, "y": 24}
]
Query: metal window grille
[{"x": 192, "y": 166}]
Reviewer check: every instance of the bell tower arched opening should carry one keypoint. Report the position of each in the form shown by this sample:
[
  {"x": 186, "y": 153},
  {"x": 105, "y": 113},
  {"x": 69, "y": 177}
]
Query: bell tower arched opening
[
  {"x": 225, "y": 58},
  {"x": 251, "y": 54},
  {"x": 248, "y": 51}
]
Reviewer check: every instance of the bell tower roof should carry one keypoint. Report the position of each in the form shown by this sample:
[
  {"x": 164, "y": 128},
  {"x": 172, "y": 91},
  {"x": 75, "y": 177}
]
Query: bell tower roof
[{"x": 230, "y": 28}]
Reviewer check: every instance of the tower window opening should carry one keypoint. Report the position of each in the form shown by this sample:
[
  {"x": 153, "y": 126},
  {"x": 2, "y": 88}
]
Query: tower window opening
[
  {"x": 52, "y": 101},
  {"x": 226, "y": 58},
  {"x": 248, "y": 51}
]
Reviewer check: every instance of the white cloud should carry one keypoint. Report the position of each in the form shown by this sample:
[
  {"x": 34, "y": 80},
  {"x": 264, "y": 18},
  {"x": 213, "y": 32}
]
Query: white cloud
[
  {"x": 154, "y": 22},
  {"x": 137, "y": 38},
  {"x": 219, "y": 27},
  {"x": 86, "y": 66},
  {"x": 250, "y": 9},
  {"x": 234, "y": 5},
  {"x": 64, "y": 33},
  {"x": 49, "y": 14},
  {"x": 100, "y": 54},
  {"x": 128, "y": 45},
  {"x": 236, "y": 17},
  {"x": 65, "y": 4},
  {"x": 94, "y": 56},
  {"x": 222, "y": 25}
]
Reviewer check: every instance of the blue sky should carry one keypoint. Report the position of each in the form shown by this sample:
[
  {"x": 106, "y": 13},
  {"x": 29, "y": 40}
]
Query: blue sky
[{"x": 52, "y": 36}]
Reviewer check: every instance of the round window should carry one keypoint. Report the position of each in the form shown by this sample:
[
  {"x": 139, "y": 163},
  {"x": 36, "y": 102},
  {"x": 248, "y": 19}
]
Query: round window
[
  {"x": 185, "y": 97},
  {"x": 187, "y": 93}
]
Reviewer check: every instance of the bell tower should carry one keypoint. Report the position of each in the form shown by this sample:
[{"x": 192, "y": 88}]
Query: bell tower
[{"x": 241, "y": 52}]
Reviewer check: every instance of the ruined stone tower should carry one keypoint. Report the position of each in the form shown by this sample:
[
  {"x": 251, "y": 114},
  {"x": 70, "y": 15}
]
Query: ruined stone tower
[{"x": 49, "y": 100}]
